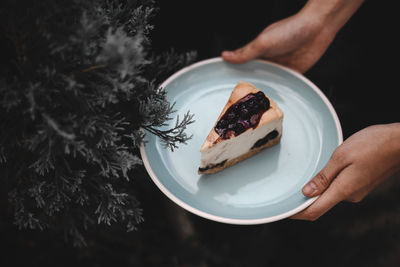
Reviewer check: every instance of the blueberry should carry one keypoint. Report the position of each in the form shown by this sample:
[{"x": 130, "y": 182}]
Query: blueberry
[
  {"x": 254, "y": 119},
  {"x": 231, "y": 116},
  {"x": 244, "y": 113},
  {"x": 239, "y": 128},
  {"x": 222, "y": 123},
  {"x": 260, "y": 95},
  {"x": 233, "y": 109},
  {"x": 244, "y": 106},
  {"x": 220, "y": 131},
  {"x": 265, "y": 104},
  {"x": 244, "y": 123},
  {"x": 272, "y": 134},
  {"x": 251, "y": 103},
  {"x": 231, "y": 126}
]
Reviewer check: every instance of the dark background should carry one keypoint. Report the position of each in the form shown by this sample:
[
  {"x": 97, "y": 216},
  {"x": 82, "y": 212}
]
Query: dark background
[{"x": 359, "y": 75}]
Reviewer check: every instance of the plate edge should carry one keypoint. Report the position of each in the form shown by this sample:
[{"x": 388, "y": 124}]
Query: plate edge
[{"x": 231, "y": 220}]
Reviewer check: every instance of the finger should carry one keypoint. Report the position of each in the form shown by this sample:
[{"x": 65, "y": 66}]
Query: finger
[
  {"x": 323, "y": 179},
  {"x": 248, "y": 52},
  {"x": 332, "y": 196}
]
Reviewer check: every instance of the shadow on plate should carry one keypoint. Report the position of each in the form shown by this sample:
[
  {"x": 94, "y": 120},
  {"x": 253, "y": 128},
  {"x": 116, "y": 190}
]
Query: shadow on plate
[{"x": 257, "y": 169}]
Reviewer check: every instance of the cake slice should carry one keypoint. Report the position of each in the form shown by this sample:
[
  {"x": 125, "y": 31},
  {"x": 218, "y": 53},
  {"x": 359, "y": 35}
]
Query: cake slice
[{"x": 249, "y": 123}]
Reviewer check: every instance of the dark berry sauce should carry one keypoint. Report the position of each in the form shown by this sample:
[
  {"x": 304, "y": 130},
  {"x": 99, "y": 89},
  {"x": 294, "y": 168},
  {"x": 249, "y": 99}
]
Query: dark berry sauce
[
  {"x": 242, "y": 115},
  {"x": 212, "y": 166},
  {"x": 265, "y": 139}
]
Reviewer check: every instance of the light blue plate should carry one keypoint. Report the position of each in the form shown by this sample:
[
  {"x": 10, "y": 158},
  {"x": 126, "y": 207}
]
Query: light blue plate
[{"x": 266, "y": 187}]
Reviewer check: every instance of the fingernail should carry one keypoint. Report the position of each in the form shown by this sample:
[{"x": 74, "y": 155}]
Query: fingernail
[
  {"x": 228, "y": 53},
  {"x": 310, "y": 188}
]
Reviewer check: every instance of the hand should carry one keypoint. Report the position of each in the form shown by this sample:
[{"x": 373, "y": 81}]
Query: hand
[
  {"x": 356, "y": 167},
  {"x": 299, "y": 41},
  {"x": 295, "y": 42}
]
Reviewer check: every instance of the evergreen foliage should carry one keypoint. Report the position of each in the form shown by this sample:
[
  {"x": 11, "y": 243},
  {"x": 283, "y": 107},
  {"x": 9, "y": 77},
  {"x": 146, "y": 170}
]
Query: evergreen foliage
[{"x": 78, "y": 84}]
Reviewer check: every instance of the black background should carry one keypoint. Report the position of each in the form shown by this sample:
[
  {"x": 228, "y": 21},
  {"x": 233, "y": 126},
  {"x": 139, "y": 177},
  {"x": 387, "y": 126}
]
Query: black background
[{"x": 359, "y": 75}]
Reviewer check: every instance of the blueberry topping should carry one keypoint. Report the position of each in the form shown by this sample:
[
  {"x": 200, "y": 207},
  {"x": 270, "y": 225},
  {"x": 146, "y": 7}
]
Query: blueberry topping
[
  {"x": 231, "y": 116},
  {"x": 242, "y": 115},
  {"x": 232, "y": 126},
  {"x": 265, "y": 103},
  {"x": 239, "y": 128},
  {"x": 244, "y": 123},
  {"x": 252, "y": 104},
  {"x": 254, "y": 119},
  {"x": 259, "y": 96},
  {"x": 222, "y": 123}
]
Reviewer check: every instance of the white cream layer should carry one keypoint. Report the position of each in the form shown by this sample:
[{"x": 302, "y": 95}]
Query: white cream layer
[{"x": 241, "y": 144}]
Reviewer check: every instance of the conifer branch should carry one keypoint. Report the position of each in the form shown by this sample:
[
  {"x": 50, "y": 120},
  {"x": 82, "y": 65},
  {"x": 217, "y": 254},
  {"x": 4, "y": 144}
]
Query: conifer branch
[{"x": 78, "y": 83}]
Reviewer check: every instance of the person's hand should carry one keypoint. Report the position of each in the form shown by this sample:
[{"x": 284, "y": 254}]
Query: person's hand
[
  {"x": 296, "y": 42},
  {"x": 299, "y": 41},
  {"x": 356, "y": 167}
]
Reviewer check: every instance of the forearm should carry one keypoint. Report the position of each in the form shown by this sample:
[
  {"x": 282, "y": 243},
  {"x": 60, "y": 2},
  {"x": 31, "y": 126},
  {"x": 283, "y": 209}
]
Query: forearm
[{"x": 331, "y": 13}]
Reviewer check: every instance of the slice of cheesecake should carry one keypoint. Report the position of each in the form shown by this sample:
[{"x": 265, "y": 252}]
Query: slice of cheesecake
[{"x": 249, "y": 122}]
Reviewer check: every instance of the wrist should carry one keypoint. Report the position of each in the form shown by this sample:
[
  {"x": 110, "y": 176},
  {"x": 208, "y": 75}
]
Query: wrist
[{"x": 331, "y": 14}]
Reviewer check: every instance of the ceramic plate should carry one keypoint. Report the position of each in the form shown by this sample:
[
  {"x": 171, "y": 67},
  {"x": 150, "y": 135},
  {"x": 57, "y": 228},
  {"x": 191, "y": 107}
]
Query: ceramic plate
[{"x": 266, "y": 187}]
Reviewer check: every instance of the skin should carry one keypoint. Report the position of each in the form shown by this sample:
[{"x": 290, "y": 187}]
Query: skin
[
  {"x": 365, "y": 159},
  {"x": 298, "y": 41},
  {"x": 295, "y": 42},
  {"x": 356, "y": 167}
]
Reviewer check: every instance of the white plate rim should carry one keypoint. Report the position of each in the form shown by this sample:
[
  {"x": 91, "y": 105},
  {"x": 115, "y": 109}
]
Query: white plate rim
[{"x": 216, "y": 218}]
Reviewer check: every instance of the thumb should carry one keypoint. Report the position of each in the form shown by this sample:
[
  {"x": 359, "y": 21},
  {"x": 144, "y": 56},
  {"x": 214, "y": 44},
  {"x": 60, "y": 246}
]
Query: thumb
[
  {"x": 324, "y": 178},
  {"x": 248, "y": 52}
]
